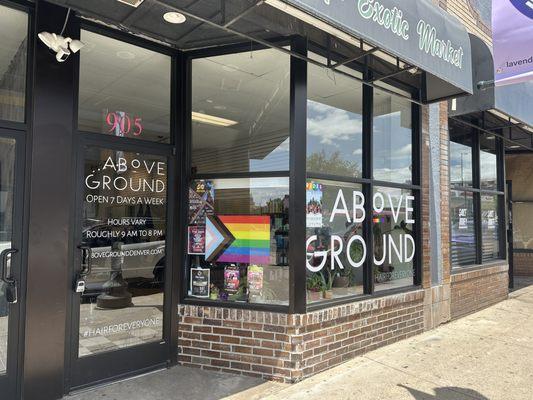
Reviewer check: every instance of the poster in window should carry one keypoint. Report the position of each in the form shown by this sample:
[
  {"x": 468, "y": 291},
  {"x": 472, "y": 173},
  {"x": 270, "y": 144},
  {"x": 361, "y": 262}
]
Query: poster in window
[
  {"x": 232, "y": 278},
  {"x": 196, "y": 239},
  {"x": 201, "y": 201},
  {"x": 255, "y": 279},
  {"x": 314, "y": 195},
  {"x": 250, "y": 237},
  {"x": 463, "y": 219},
  {"x": 200, "y": 282}
]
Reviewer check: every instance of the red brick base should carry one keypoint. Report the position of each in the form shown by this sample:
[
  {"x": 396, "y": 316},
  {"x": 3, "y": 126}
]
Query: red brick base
[
  {"x": 289, "y": 348},
  {"x": 477, "y": 289}
]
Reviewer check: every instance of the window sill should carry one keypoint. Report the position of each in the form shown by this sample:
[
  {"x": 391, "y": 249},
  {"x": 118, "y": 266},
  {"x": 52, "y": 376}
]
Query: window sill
[
  {"x": 475, "y": 267},
  {"x": 232, "y": 304}
]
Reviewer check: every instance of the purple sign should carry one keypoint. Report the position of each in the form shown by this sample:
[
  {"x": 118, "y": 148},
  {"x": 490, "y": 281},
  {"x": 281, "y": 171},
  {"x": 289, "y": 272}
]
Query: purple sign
[{"x": 512, "y": 28}]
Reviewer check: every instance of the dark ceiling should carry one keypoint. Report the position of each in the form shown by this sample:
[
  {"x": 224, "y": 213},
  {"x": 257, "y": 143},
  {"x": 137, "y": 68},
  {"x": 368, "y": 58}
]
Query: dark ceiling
[{"x": 218, "y": 22}]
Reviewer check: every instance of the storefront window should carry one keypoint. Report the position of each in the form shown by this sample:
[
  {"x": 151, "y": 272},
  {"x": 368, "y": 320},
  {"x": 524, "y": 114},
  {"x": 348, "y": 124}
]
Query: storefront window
[
  {"x": 336, "y": 250},
  {"x": 240, "y": 112},
  {"x": 124, "y": 90},
  {"x": 238, "y": 239},
  {"x": 334, "y": 123},
  {"x": 463, "y": 237},
  {"x": 342, "y": 218},
  {"x": 490, "y": 227},
  {"x": 394, "y": 244},
  {"x": 475, "y": 197},
  {"x": 238, "y": 227},
  {"x": 461, "y": 172},
  {"x": 13, "y": 56},
  {"x": 488, "y": 168},
  {"x": 392, "y": 138}
]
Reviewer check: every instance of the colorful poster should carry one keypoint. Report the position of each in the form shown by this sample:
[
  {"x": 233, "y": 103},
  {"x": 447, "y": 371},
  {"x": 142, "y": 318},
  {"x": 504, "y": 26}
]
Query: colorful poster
[
  {"x": 512, "y": 30},
  {"x": 251, "y": 244},
  {"x": 463, "y": 219},
  {"x": 232, "y": 279},
  {"x": 313, "y": 210},
  {"x": 201, "y": 201},
  {"x": 255, "y": 279},
  {"x": 200, "y": 282},
  {"x": 217, "y": 238},
  {"x": 196, "y": 239}
]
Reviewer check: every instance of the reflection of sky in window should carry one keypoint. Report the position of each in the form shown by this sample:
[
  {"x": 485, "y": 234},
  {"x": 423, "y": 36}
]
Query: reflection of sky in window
[
  {"x": 460, "y": 164},
  {"x": 276, "y": 160},
  {"x": 260, "y": 190},
  {"x": 488, "y": 170},
  {"x": 334, "y": 131},
  {"x": 392, "y": 148}
]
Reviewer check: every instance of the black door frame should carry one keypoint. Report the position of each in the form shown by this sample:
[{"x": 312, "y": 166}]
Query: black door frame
[
  {"x": 99, "y": 368},
  {"x": 510, "y": 237},
  {"x": 142, "y": 358},
  {"x": 9, "y": 381}
]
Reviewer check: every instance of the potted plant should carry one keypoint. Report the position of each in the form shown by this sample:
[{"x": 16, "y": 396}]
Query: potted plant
[
  {"x": 314, "y": 287},
  {"x": 327, "y": 292},
  {"x": 213, "y": 295}
]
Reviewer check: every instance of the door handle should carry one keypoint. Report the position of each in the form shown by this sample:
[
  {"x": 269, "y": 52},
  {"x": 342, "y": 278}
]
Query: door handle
[
  {"x": 10, "y": 282},
  {"x": 86, "y": 263}
]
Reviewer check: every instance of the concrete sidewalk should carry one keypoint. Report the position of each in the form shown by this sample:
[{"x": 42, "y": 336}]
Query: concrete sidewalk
[{"x": 488, "y": 355}]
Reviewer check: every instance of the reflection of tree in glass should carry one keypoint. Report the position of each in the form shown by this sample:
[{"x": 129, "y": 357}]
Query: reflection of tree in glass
[{"x": 334, "y": 165}]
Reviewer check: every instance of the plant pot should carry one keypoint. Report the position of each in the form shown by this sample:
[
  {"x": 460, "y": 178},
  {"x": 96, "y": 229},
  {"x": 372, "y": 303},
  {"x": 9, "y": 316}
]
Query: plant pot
[
  {"x": 313, "y": 296},
  {"x": 327, "y": 294},
  {"x": 341, "y": 282}
]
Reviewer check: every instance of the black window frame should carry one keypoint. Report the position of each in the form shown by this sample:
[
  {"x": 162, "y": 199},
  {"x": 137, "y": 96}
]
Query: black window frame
[
  {"x": 298, "y": 176},
  {"x": 189, "y": 175},
  {"x": 477, "y": 192},
  {"x": 368, "y": 183}
]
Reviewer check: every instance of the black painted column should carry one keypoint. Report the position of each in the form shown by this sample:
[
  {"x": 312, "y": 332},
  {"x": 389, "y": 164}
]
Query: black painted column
[{"x": 51, "y": 191}]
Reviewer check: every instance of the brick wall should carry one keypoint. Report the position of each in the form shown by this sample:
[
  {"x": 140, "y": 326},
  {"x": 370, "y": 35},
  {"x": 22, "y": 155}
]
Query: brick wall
[
  {"x": 477, "y": 289},
  {"x": 470, "y": 17},
  {"x": 289, "y": 348},
  {"x": 523, "y": 264}
]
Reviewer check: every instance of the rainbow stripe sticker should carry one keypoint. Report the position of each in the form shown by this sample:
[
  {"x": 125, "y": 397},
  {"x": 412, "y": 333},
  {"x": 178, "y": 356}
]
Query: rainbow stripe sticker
[{"x": 252, "y": 239}]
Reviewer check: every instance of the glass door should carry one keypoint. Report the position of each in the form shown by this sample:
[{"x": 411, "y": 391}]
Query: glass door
[
  {"x": 11, "y": 177},
  {"x": 119, "y": 277}
]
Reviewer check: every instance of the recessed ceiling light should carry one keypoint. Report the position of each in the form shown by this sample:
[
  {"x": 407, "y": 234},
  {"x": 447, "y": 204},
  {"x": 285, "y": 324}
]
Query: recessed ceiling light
[{"x": 174, "y": 17}]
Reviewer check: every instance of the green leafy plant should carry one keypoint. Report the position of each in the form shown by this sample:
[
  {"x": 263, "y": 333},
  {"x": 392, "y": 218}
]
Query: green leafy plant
[{"x": 314, "y": 282}]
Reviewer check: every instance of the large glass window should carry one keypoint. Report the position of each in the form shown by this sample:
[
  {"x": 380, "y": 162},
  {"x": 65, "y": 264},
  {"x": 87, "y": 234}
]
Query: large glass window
[
  {"x": 394, "y": 244},
  {"x": 240, "y": 112},
  {"x": 124, "y": 90},
  {"x": 392, "y": 138},
  {"x": 335, "y": 246},
  {"x": 334, "y": 123},
  {"x": 488, "y": 167},
  {"x": 238, "y": 227},
  {"x": 490, "y": 230},
  {"x": 475, "y": 198},
  {"x": 461, "y": 172},
  {"x": 463, "y": 235},
  {"x": 346, "y": 212},
  {"x": 13, "y": 56}
]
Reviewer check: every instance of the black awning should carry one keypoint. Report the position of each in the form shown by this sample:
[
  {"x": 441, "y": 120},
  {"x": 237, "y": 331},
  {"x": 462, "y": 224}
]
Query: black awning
[
  {"x": 416, "y": 31},
  {"x": 511, "y": 101}
]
